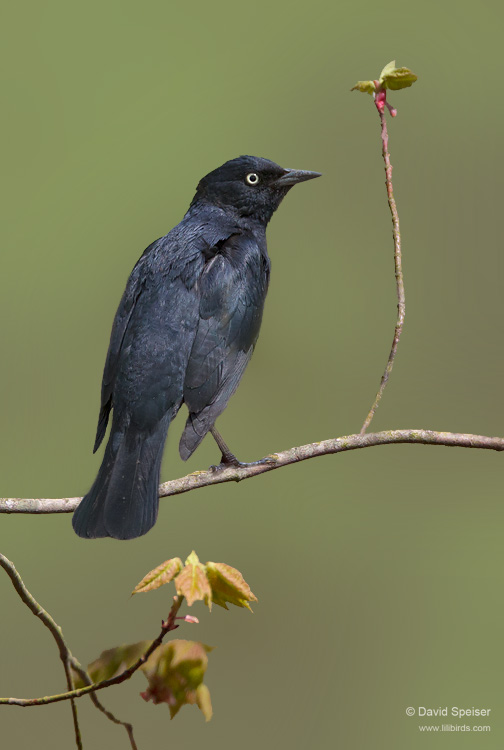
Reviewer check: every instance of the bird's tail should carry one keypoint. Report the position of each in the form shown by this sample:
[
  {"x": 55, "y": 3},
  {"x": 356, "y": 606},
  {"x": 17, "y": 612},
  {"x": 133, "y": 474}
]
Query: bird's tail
[{"x": 123, "y": 501}]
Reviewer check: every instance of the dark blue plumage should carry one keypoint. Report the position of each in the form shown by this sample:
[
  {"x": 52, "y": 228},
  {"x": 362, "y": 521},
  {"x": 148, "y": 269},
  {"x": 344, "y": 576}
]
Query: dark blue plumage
[{"x": 183, "y": 333}]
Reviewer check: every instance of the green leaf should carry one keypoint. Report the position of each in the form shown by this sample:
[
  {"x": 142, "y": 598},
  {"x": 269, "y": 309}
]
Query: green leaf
[
  {"x": 396, "y": 78},
  {"x": 228, "y": 585},
  {"x": 164, "y": 573},
  {"x": 400, "y": 79},
  {"x": 113, "y": 661},
  {"x": 367, "y": 87},
  {"x": 203, "y": 701},
  {"x": 391, "y": 66},
  {"x": 175, "y": 673},
  {"x": 192, "y": 582}
]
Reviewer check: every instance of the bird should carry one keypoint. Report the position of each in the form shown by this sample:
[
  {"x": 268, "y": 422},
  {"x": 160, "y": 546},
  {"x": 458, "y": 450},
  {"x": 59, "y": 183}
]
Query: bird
[{"x": 184, "y": 332}]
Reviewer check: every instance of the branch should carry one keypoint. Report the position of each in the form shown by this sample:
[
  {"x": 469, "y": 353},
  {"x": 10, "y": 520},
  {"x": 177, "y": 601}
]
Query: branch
[
  {"x": 168, "y": 625},
  {"x": 401, "y": 300},
  {"x": 300, "y": 453},
  {"x": 77, "y": 667},
  {"x": 54, "y": 629},
  {"x": 69, "y": 661}
]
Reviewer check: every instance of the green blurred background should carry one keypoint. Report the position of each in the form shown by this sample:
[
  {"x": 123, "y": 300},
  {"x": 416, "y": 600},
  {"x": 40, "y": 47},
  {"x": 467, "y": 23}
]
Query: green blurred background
[{"x": 378, "y": 572}]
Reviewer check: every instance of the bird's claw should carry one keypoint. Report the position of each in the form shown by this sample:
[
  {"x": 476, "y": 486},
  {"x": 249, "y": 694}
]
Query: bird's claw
[
  {"x": 266, "y": 460},
  {"x": 233, "y": 461}
]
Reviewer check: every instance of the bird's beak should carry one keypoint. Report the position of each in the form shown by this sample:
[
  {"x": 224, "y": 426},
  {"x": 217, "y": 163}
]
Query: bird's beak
[{"x": 293, "y": 176}]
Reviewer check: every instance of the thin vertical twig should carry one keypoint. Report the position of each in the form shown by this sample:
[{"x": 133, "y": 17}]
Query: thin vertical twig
[{"x": 401, "y": 301}]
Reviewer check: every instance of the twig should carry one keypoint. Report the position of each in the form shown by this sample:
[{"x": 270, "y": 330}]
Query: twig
[
  {"x": 69, "y": 661},
  {"x": 401, "y": 300},
  {"x": 54, "y": 629},
  {"x": 274, "y": 461},
  {"x": 168, "y": 625},
  {"x": 77, "y": 667},
  {"x": 75, "y": 718}
]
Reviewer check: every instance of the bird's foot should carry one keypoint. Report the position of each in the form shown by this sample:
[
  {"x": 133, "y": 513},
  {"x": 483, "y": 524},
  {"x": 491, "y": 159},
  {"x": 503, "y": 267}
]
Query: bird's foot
[{"x": 231, "y": 460}]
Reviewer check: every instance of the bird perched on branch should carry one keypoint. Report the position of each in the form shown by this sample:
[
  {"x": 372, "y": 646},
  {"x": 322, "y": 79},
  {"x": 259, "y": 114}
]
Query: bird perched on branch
[{"x": 184, "y": 332}]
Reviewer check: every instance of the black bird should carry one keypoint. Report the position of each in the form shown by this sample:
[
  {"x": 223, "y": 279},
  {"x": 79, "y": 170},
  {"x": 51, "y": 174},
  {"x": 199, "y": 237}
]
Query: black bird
[{"x": 184, "y": 332}]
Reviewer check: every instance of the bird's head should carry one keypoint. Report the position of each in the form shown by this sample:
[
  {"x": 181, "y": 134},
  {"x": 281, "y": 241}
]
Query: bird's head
[{"x": 249, "y": 185}]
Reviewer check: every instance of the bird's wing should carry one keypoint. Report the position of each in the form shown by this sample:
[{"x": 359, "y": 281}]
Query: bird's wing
[
  {"x": 122, "y": 319},
  {"x": 233, "y": 288},
  {"x": 175, "y": 261}
]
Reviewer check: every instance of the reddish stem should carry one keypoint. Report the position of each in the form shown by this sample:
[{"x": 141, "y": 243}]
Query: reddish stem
[{"x": 381, "y": 101}]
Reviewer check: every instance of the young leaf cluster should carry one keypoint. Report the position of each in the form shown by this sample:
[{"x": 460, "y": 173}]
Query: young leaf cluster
[
  {"x": 390, "y": 78},
  {"x": 215, "y": 583},
  {"x": 175, "y": 675}
]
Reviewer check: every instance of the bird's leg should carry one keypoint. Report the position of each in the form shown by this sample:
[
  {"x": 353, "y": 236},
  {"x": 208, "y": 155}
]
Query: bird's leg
[{"x": 228, "y": 458}]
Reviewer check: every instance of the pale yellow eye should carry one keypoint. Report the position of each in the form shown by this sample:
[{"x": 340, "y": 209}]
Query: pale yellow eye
[{"x": 252, "y": 178}]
